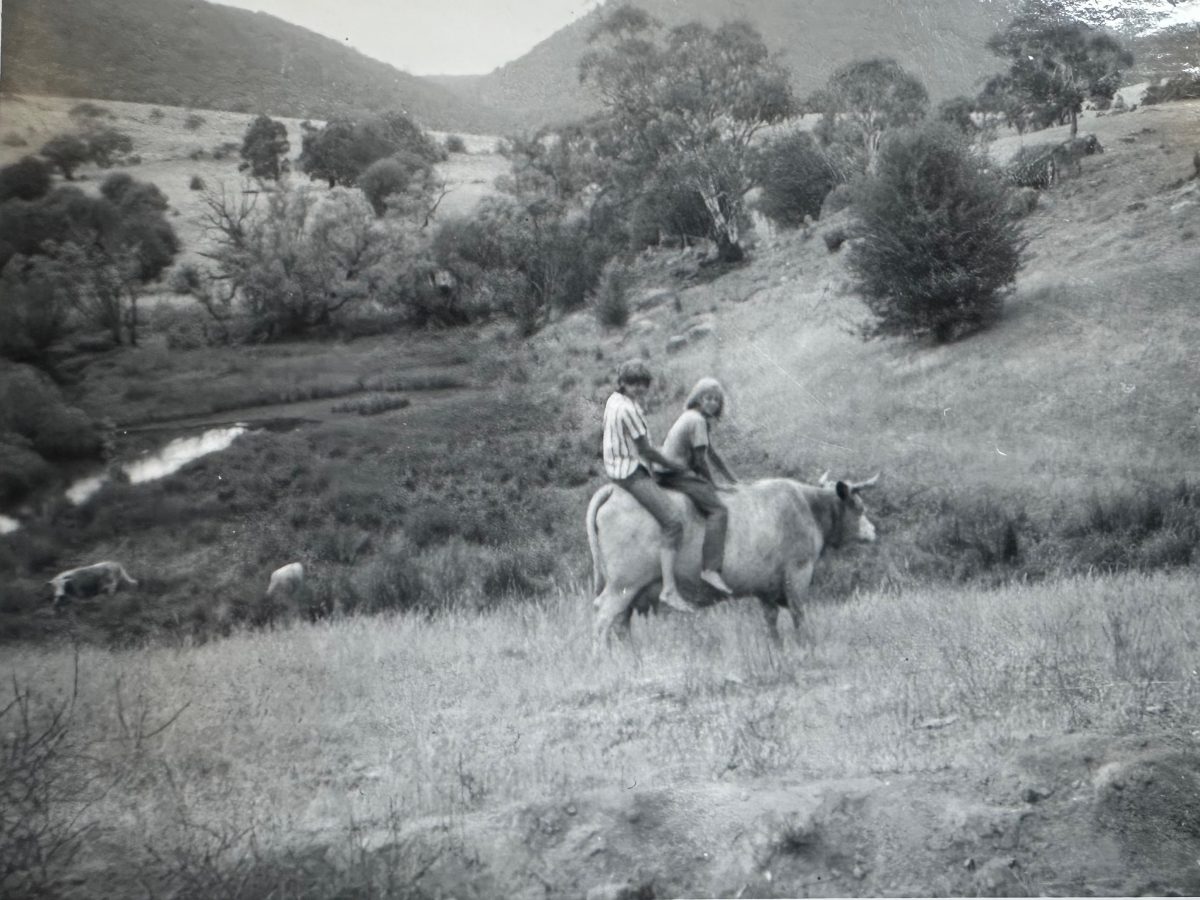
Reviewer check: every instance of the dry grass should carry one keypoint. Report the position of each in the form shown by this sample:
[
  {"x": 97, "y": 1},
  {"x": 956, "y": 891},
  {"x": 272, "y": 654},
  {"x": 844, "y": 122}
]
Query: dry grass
[{"x": 308, "y": 729}]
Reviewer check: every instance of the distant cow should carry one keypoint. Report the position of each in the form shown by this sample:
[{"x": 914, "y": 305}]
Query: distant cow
[
  {"x": 88, "y": 581},
  {"x": 778, "y": 529},
  {"x": 287, "y": 582},
  {"x": 1070, "y": 152}
]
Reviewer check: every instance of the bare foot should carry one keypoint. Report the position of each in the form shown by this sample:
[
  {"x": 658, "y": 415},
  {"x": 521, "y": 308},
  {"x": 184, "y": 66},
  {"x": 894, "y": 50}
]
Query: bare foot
[
  {"x": 674, "y": 600},
  {"x": 714, "y": 580}
]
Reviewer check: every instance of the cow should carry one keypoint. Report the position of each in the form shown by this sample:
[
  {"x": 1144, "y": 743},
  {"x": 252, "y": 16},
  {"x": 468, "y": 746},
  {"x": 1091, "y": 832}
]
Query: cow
[
  {"x": 1070, "y": 152},
  {"x": 287, "y": 582},
  {"x": 88, "y": 581},
  {"x": 778, "y": 529}
]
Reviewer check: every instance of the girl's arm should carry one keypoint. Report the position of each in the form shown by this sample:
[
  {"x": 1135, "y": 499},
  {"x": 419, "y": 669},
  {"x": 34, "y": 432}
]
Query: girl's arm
[
  {"x": 648, "y": 452},
  {"x": 720, "y": 464}
]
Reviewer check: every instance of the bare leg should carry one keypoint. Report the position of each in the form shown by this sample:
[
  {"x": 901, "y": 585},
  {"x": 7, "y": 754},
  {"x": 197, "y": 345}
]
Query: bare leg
[{"x": 670, "y": 593}]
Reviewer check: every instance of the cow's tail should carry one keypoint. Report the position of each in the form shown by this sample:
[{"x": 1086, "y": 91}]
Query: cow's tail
[{"x": 598, "y": 500}]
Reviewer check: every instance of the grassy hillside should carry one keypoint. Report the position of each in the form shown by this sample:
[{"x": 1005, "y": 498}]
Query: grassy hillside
[
  {"x": 202, "y": 54},
  {"x": 956, "y": 719},
  {"x": 941, "y": 41}
]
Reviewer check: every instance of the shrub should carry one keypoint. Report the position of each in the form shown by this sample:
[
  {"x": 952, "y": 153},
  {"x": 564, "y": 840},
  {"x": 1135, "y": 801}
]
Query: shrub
[
  {"x": 939, "y": 247},
  {"x": 956, "y": 111},
  {"x": 796, "y": 178},
  {"x": 611, "y": 303},
  {"x": 35, "y": 310},
  {"x": 88, "y": 110},
  {"x": 192, "y": 121},
  {"x": 834, "y": 238},
  {"x": 455, "y": 144},
  {"x": 105, "y": 144},
  {"x": 1180, "y": 87},
  {"x": 841, "y": 197},
  {"x": 391, "y": 177},
  {"x": 12, "y": 139},
  {"x": 32, "y": 407},
  {"x": 66, "y": 152},
  {"x": 22, "y": 470},
  {"x": 196, "y": 183},
  {"x": 156, "y": 114},
  {"x": 26, "y": 179}
]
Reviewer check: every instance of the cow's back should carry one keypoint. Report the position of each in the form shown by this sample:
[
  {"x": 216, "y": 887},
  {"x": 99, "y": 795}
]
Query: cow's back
[{"x": 770, "y": 528}]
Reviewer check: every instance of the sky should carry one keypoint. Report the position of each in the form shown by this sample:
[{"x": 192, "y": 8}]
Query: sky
[{"x": 431, "y": 37}]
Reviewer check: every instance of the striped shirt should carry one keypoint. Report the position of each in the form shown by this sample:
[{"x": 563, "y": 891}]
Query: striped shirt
[{"x": 623, "y": 425}]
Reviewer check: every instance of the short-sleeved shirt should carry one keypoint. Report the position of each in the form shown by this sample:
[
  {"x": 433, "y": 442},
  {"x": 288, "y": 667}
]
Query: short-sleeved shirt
[
  {"x": 623, "y": 425},
  {"x": 689, "y": 431}
]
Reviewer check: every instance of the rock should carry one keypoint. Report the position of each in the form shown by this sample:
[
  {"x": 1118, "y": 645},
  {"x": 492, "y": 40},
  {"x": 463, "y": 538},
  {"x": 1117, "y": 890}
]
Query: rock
[
  {"x": 676, "y": 342},
  {"x": 998, "y": 877},
  {"x": 696, "y": 332},
  {"x": 1034, "y": 793},
  {"x": 653, "y": 297},
  {"x": 624, "y": 891}
]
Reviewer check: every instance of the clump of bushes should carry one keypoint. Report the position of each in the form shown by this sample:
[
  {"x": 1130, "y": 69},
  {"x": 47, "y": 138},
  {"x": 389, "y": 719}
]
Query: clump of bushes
[
  {"x": 796, "y": 177},
  {"x": 455, "y": 144},
  {"x": 1179, "y": 87},
  {"x": 939, "y": 248},
  {"x": 192, "y": 121},
  {"x": 372, "y": 405},
  {"x": 12, "y": 139}
]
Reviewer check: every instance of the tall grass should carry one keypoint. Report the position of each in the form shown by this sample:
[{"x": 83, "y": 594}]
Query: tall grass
[{"x": 301, "y": 730}]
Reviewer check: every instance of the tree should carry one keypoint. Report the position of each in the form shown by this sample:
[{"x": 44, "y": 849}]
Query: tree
[
  {"x": 104, "y": 249},
  {"x": 868, "y": 97},
  {"x": 66, "y": 152},
  {"x": 34, "y": 310},
  {"x": 264, "y": 148},
  {"x": 342, "y": 150},
  {"x": 104, "y": 144},
  {"x": 1056, "y": 62},
  {"x": 938, "y": 246},
  {"x": 293, "y": 263},
  {"x": 957, "y": 111},
  {"x": 697, "y": 96},
  {"x": 26, "y": 179}
]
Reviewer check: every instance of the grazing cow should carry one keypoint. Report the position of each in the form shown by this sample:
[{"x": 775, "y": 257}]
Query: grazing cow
[
  {"x": 778, "y": 529},
  {"x": 88, "y": 581},
  {"x": 287, "y": 582}
]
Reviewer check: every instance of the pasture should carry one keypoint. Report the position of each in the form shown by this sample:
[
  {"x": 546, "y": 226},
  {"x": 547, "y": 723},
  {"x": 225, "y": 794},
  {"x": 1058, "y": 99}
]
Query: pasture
[
  {"x": 481, "y": 753},
  {"x": 1000, "y": 697}
]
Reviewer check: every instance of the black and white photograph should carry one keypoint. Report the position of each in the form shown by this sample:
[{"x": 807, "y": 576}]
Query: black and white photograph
[{"x": 599, "y": 449}]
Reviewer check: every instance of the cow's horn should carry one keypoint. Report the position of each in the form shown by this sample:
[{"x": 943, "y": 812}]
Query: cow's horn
[
  {"x": 860, "y": 485},
  {"x": 824, "y": 479}
]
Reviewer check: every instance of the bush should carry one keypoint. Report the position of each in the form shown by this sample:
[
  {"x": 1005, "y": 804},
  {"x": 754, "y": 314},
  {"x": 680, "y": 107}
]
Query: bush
[
  {"x": 796, "y": 178},
  {"x": 841, "y": 197},
  {"x": 26, "y": 179},
  {"x": 66, "y": 152},
  {"x": 455, "y": 144},
  {"x": 390, "y": 177},
  {"x": 12, "y": 139},
  {"x": 192, "y": 121},
  {"x": 22, "y": 470},
  {"x": 106, "y": 144},
  {"x": 1180, "y": 87},
  {"x": 156, "y": 114},
  {"x": 88, "y": 110},
  {"x": 32, "y": 407},
  {"x": 834, "y": 238},
  {"x": 196, "y": 183},
  {"x": 939, "y": 246},
  {"x": 611, "y": 303}
]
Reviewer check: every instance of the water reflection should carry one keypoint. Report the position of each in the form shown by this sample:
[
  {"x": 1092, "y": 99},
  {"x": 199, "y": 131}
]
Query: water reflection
[
  {"x": 171, "y": 458},
  {"x": 8, "y": 525}
]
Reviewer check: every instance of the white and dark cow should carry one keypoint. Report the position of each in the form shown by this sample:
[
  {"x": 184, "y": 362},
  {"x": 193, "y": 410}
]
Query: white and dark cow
[
  {"x": 286, "y": 583},
  {"x": 778, "y": 529},
  {"x": 87, "y": 581}
]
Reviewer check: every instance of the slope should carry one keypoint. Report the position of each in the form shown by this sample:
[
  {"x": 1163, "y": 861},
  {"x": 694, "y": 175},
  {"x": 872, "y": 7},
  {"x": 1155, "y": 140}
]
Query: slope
[
  {"x": 201, "y": 54},
  {"x": 939, "y": 40}
]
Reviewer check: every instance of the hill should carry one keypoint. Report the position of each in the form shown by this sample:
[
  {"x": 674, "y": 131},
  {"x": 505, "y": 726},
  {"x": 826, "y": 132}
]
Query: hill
[
  {"x": 200, "y": 54},
  {"x": 941, "y": 41}
]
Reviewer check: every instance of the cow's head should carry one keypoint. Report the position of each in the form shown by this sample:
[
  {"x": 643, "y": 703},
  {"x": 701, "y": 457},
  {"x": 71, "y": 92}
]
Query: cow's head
[{"x": 852, "y": 524}]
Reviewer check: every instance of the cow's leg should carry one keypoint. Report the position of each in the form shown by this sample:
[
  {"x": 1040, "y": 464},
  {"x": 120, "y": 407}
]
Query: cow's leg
[
  {"x": 770, "y": 608},
  {"x": 795, "y": 587},
  {"x": 612, "y": 604}
]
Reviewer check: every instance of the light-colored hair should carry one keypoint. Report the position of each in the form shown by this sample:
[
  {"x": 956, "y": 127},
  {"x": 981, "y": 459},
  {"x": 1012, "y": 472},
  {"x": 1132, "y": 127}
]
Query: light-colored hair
[{"x": 704, "y": 386}]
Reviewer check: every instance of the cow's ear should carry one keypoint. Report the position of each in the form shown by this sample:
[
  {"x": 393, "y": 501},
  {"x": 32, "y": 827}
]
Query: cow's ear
[{"x": 843, "y": 490}]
